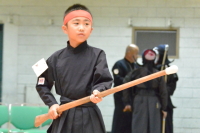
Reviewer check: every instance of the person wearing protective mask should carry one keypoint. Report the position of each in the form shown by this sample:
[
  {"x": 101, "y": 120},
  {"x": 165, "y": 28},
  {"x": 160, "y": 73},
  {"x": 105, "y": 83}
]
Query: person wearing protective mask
[
  {"x": 122, "y": 120},
  {"x": 163, "y": 62},
  {"x": 149, "y": 99}
]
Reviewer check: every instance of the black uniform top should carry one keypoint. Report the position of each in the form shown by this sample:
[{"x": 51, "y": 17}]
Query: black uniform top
[
  {"x": 124, "y": 67},
  {"x": 120, "y": 69},
  {"x": 155, "y": 87},
  {"x": 76, "y": 72},
  {"x": 171, "y": 86},
  {"x": 121, "y": 121}
]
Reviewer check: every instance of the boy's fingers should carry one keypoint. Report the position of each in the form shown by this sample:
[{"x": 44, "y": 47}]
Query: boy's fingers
[
  {"x": 95, "y": 92},
  {"x": 59, "y": 114},
  {"x": 100, "y": 99},
  {"x": 55, "y": 115},
  {"x": 95, "y": 99},
  {"x": 91, "y": 96}
]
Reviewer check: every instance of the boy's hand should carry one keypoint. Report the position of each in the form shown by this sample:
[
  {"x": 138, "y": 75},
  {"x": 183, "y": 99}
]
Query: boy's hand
[
  {"x": 53, "y": 112},
  {"x": 94, "y": 97}
]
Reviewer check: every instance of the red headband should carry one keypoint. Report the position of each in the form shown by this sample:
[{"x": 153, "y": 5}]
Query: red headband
[{"x": 77, "y": 13}]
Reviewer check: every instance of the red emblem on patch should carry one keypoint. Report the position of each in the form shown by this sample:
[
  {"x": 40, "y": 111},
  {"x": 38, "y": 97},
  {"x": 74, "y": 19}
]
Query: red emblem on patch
[{"x": 41, "y": 81}]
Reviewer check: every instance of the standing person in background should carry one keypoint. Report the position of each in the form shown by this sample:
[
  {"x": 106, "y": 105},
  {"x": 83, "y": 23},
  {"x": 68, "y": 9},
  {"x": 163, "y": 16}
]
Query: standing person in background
[
  {"x": 149, "y": 99},
  {"x": 78, "y": 70},
  {"x": 170, "y": 83},
  {"x": 122, "y": 120}
]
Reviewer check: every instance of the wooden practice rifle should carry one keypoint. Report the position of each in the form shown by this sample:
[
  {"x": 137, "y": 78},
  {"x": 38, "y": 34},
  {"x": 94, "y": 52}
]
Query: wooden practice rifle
[{"x": 44, "y": 117}]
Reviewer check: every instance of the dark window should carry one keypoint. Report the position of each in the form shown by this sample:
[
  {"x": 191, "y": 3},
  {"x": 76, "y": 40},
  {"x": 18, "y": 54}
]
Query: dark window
[{"x": 147, "y": 38}]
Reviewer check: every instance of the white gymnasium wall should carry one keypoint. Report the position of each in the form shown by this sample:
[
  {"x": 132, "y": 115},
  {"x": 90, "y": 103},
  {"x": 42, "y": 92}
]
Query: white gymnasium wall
[{"x": 29, "y": 36}]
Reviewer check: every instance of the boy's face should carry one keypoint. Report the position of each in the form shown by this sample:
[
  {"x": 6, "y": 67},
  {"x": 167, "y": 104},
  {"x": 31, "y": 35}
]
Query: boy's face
[{"x": 78, "y": 29}]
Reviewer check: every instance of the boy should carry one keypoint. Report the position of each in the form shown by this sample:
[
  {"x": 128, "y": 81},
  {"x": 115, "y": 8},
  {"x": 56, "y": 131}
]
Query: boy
[{"x": 78, "y": 70}]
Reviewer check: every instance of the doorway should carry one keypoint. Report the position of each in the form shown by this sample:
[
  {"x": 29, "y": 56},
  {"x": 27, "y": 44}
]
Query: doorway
[{"x": 1, "y": 54}]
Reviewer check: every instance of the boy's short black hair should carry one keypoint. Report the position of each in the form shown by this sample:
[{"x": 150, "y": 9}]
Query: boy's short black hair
[{"x": 76, "y": 7}]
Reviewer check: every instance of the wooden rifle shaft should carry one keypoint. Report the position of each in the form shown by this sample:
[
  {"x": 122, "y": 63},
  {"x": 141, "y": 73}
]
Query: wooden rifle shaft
[{"x": 42, "y": 118}]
